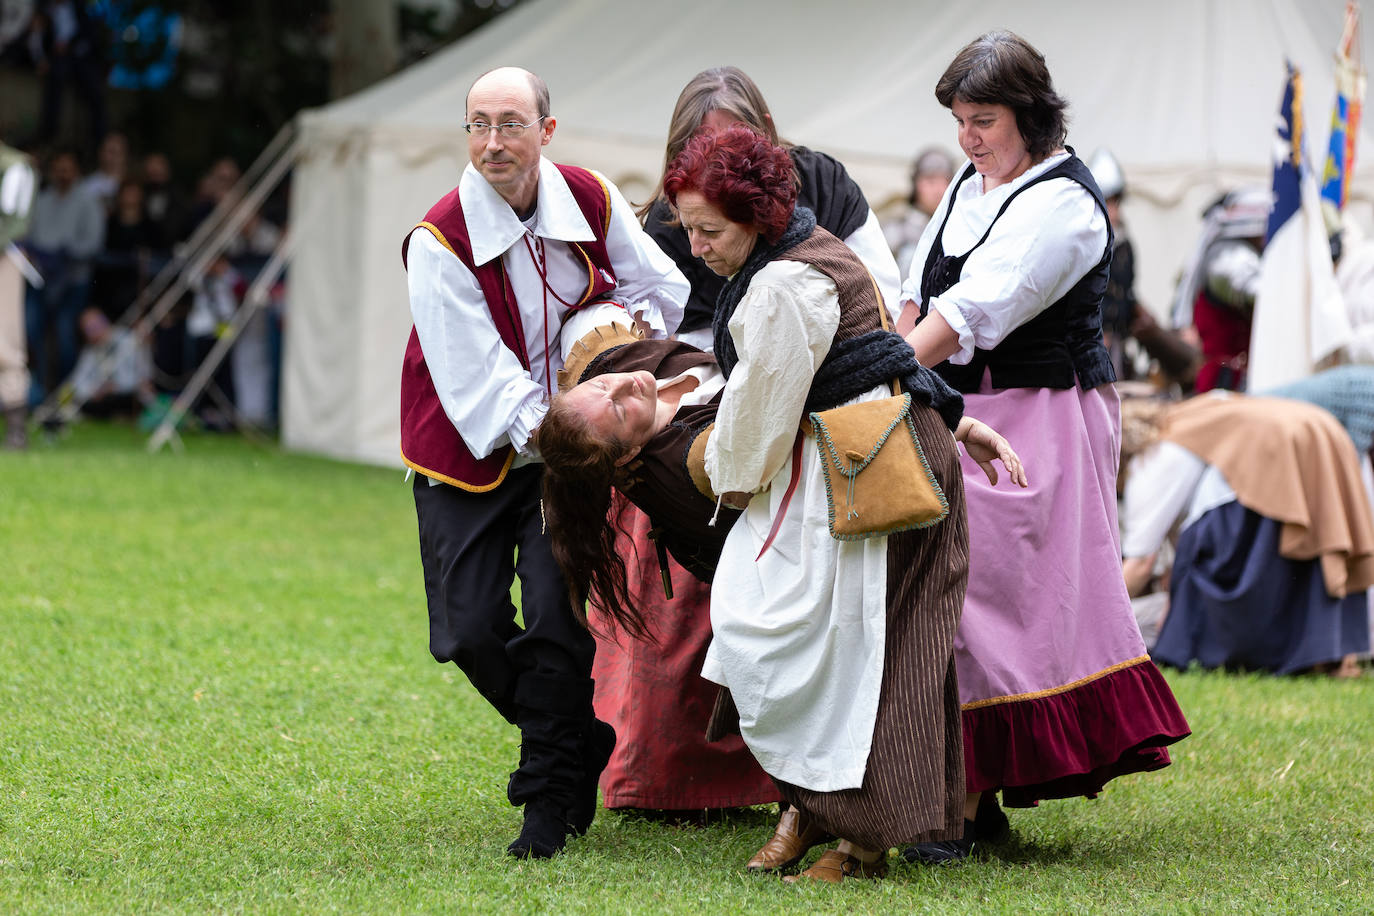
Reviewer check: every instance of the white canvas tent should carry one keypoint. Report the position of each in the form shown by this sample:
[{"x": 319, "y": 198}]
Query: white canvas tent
[{"x": 1184, "y": 92}]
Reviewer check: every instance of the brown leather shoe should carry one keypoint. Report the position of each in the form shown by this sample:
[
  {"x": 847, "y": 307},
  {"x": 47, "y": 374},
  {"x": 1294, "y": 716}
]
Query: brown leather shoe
[
  {"x": 834, "y": 866},
  {"x": 794, "y": 835}
]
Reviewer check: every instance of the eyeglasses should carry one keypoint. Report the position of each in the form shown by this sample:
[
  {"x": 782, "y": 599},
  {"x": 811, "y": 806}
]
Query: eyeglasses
[{"x": 509, "y": 129}]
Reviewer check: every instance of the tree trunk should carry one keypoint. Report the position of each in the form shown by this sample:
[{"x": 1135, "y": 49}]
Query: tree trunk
[{"x": 367, "y": 45}]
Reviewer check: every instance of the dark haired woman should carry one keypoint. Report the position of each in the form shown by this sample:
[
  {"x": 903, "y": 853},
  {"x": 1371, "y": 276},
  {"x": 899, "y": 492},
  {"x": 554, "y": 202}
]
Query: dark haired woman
[
  {"x": 651, "y": 690},
  {"x": 809, "y": 632},
  {"x": 1058, "y": 693}
]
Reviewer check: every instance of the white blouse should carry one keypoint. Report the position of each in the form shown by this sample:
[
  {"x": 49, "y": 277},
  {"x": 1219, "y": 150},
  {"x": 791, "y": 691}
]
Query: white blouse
[{"x": 1051, "y": 236}]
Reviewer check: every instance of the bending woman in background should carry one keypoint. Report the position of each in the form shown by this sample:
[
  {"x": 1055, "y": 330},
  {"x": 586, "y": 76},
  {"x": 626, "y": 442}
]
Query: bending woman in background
[
  {"x": 651, "y": 690},
  {"x": 837, "y": 654},
  {"x": 1059, "y": 695},
  {"x": 1275, "y": 543}
]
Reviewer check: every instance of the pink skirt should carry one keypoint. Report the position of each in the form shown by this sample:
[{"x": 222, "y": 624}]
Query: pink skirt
[{"x": 1058, "y": 692}]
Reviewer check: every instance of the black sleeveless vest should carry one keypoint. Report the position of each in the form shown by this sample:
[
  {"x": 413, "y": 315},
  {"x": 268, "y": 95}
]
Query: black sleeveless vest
[{"x": 1058, "y": 348}]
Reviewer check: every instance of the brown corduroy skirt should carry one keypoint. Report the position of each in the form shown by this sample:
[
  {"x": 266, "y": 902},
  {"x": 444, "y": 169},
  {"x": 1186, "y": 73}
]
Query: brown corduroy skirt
[{"x": 913, "y": 787}]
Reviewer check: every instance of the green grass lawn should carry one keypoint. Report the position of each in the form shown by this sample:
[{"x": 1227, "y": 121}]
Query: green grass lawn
[{"x": 216, "y": 696}]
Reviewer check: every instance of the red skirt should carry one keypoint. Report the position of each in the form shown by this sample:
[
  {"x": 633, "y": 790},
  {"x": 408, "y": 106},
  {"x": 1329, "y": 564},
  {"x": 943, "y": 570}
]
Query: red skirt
[
  {"x": 1072, "y": 742},
  {"x": 653, "y": 694}
]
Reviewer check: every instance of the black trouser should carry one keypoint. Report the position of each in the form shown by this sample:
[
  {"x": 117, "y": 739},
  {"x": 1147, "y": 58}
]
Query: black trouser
[{"x": 472, "y": 547}]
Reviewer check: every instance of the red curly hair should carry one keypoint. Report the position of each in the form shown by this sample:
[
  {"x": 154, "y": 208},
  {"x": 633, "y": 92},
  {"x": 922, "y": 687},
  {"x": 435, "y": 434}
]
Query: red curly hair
[{"x": 749, "y": 178}]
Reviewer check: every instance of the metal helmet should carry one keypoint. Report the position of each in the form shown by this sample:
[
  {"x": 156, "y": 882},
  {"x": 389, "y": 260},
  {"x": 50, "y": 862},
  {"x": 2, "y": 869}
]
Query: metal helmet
[
  {"x": 1243, "y": 212},
  {"x": 1107, "y": 173}
]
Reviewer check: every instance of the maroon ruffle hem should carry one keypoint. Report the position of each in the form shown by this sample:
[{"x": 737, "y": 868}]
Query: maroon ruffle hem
[{"x": 1074, "y": 742}]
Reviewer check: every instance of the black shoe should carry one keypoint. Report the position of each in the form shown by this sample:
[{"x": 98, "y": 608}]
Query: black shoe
[
  {"x": 596, "y": 753},
  {"x": 544, "y": 834},
  {"x": 942, "y": 852},
  {"x": 990, "y": 824}
]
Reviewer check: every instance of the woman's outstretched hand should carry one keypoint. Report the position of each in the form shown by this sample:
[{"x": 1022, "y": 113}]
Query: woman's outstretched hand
[{"x": 983, "y": 444}]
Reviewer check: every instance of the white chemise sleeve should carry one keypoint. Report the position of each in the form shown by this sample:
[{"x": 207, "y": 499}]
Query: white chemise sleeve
[
  {"x": 1159, "y": 488},
  {"x": 782, "y": 329},
  {"x": 488, "y": 396},
  {"x": 869, "y": 243},
  {"x": 1046, "y": 241},
  {"x": 648, "y": 283}
]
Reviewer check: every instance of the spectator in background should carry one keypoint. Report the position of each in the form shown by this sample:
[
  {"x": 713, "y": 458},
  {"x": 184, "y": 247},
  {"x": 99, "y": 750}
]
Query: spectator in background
[
  {"x": 121, "y": 270},
  {"x": 931, "y": 172},
  {"x": 1119, "y": 304},
  {"x": 1123, "y": 316},
  {"x": 169, "y": 348},
  {"x": 214, "y": 186},
  {"x": 1355, "y": 275},
  {"x": 253, "y": 354},
  {"x": 162, "y": 202},
  {"x": 17, "y": 186},
  {"x": 111, "y": 170},
  {"x": 68, "y": 49},
  {"x": 113, "y": 375},
  {"x": 1217, "y": 295},
  {"x": 215, "y": 298},
  {"x": 256, "y": 239},
  {"x": 66, "y": 233}
]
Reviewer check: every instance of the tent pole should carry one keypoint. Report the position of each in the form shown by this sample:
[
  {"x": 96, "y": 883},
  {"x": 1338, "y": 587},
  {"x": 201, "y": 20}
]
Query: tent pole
[{"x": 253, "y": 300}]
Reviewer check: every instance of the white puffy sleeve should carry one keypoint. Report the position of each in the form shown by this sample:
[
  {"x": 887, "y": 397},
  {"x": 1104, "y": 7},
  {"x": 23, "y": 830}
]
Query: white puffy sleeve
[
  {"x": 488, "y": 396},
  {"x": 782, "y": 330},
  {"x": 1159, "y": 488},
  {"x": 648, "y": 283},
  {"x": 869, "y": 243},
  {"x": 1046, "y": 241}
]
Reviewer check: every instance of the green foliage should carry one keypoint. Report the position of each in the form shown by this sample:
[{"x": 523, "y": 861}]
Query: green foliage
[{"x": 215, "y": 696}]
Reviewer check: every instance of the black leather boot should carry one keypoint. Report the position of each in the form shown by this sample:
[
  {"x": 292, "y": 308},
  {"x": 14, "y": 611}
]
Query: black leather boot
[{"x": 942, "y": 852}]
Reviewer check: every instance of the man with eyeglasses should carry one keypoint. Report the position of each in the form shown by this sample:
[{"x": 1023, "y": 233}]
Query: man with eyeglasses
[{"x": 503, "y": 268}]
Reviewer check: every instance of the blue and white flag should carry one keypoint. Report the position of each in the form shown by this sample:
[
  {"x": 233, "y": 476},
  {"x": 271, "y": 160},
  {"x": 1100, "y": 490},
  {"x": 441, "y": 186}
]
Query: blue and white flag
[{"x": 1300, "y": 318}]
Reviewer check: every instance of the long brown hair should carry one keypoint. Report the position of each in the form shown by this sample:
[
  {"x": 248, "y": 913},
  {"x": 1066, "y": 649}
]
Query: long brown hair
[
  {"x": 1142, "y": 425},
  {"x": 727, "y": 89},
  {"x": 579, "y": 470}
]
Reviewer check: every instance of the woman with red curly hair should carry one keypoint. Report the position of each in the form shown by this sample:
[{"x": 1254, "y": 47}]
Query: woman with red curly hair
[
  {"x": 650, "y": 689},
  {"x": 837, "y": 655}
]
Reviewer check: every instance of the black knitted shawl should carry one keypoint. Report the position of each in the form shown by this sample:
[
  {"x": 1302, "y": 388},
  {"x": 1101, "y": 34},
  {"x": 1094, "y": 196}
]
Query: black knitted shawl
[
  {"x": 852, "y": 366},
  {"x": 860, "y": 363}
]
